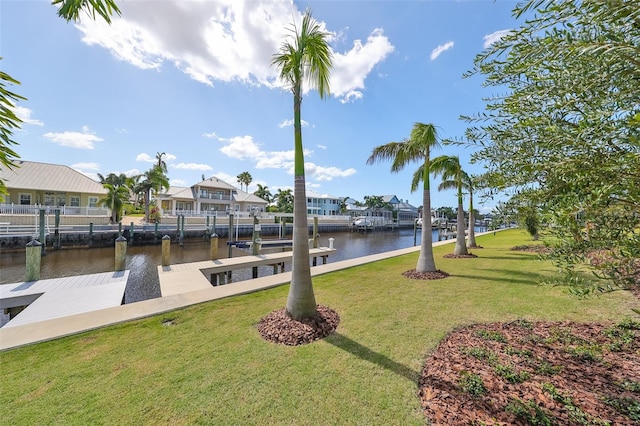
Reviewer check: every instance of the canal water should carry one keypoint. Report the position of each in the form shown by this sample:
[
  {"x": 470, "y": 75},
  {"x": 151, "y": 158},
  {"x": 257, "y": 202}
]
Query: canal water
[{"x": 142, "y": 261}]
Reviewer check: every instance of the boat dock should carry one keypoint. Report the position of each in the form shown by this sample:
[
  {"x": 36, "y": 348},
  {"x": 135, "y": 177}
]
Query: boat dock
[
  {"x": 42, "y": 300},
  {"x": 185, "y": 277}
]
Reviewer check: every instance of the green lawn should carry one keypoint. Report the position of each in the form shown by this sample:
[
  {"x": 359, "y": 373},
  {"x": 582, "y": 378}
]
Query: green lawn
[{"x": 210, "y": 366}]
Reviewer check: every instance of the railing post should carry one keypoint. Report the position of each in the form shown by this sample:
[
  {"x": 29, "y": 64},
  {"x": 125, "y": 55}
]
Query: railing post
[
  {"x": 33, "y": 261},
  {"x": 131, "y": 233},
  {"x": 121, "y": 253},
  {"x": 56, "y": 232}
]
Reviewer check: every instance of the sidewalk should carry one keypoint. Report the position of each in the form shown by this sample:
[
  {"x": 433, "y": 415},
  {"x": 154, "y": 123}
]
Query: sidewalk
[{"x": 52, "y": 329}]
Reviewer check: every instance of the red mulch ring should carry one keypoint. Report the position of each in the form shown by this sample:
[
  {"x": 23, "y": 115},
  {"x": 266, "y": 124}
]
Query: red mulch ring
[
  {"x": 434, "y": 275},
  {"x": 523, "y": 373},
  {"x": 278, "y": 327},
  {"x": 459, "y": 256}
]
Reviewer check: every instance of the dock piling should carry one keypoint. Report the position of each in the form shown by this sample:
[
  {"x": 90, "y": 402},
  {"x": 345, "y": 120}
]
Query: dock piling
[
  {"x": 121, "y": 253},
  {"x": 166, "y": 250},
  {"x": 33, "y": 260}
]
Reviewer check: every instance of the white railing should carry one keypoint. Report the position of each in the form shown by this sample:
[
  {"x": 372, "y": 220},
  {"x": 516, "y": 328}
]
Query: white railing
[{"x": 20, "y": 209}]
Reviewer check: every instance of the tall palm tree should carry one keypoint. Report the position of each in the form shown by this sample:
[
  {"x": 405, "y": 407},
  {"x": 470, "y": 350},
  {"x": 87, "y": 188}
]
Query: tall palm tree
[
  {"x": 115, "y": 199},
  {"x": 453, "y": 177},
  {"x": 244, "y": 178},
  {"x": 284, "y": 200},
  {"x": 422, "y": 140},
  {"x": 305, "y": 56}
]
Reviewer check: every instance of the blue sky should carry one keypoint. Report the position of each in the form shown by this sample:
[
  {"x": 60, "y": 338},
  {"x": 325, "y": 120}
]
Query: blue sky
[{"x": 193, "y": 79}]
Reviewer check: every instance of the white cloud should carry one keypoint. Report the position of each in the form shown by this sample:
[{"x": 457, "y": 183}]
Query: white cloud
[
  {"x": 84, "y": 140},
  {"x": 322, "y": 146},
  {"x": 240, "y": 147},
  {"x": 145, "y": 158},
  {"x": 442, "y": 48},
  {"x": 320, "y": 173},
  {"x": 177, "y": 182},
  {"x": 350, "y": 69},
  {"x": 288, "y": 123},
  {"x": 211, "y": 135},
  {"x": 86, "y": 166},
  {"x": 223, "y": 41},
  {"x": 192, "y": 166},
  {"x": 351, "y": 96},
  {"x": 494, "y": 37},
  {"x": 24, "y": 114}
]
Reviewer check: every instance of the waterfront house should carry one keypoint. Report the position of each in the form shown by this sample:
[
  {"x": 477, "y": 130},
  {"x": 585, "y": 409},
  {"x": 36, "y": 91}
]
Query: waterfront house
[
  {"x": 212, "y": 197},
  {"x": 33, "y": 186},
  {"x": 322, "y": 204}
]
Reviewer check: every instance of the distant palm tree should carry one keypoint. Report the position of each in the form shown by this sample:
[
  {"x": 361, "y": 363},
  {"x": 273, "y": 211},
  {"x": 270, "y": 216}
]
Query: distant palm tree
[
  {"x": 303, "y": 57},
  {"x": 161, "y": 164},
  {"x": 155, "y": 180},
  {"x": 422, "y": 140},
  {"x": 244, "y": 178},
  {"x": 264, "y": 193},
  {"x": 115, "y": 199},
  {"x": 453, "y": 177},
  {"x": 284, "y": 200}
]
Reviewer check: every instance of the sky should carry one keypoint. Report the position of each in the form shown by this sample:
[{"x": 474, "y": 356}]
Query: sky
[{"x": 193, "y": 79}]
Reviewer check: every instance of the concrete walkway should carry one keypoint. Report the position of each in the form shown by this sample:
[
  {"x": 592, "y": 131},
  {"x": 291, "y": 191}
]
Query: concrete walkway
[{"x": 59, "y": 327}]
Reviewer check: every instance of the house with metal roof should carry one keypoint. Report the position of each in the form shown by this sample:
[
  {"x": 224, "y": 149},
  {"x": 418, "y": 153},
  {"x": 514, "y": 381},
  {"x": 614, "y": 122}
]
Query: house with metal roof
[
  {"x": 211, "y": 196},
  {"x": 34, "y": 185},
  {"x": 322, "y": 204}
]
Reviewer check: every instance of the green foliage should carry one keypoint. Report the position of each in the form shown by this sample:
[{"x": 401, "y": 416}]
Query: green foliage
[
  {"x": 530, "y": 412},
  {"x": 471, "y": 383},
  {"x": 576, "y": 415},
  {"x": 566, "y": 132},
  {"x": 70, "y": 9},
  {"x": 511, "y": 374},
  {"x": 630, "y": 407},
  {"x": 481, "y": 353},
  {"x": 491, "y": 335},
  {"x": 8, "y": 122}
]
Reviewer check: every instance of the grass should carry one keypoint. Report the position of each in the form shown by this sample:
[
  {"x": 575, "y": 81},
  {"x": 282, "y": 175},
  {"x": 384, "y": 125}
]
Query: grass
[{"x": 207, "y": 364}]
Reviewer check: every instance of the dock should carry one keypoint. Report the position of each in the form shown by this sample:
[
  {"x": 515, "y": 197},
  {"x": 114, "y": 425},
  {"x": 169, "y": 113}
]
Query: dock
[
  {"x": 60, "y": 297},
  {"x": 192, "y": 276}
]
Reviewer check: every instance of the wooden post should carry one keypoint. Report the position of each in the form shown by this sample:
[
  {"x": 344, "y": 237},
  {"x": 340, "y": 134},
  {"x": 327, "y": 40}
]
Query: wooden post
[
  {"x": 56, "y": 232},
  {"x": 315, "y": 238},
  {"x": 121, "y": 253},
  {"x": 43, "y": 241},
  {"x": 213, "y": 249},
  {"x": 181, "y": 226},
  {"x": 230, "y": 246},
  {"x": 33, "y": 260},
  {"x": 166, "y": 250},
  {"x": 131, "y": 233},
  {"x": 255, "y": 240}
]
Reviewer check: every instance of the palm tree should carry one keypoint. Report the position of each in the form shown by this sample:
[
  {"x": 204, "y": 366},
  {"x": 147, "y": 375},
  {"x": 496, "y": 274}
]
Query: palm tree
[
  {"x": 115, "y": 199},
  {"x": 156, "y": 180},
  {"x": 422, "y": 140},
  {"x": 453, "y": 177},
  {"x": 284, "y": 200},
  {"x": 244, "y": 178},
  {"x": 161, "y": 164},
  {"x": 305, "y": 56},
  {"x": 264, "y": 193}
]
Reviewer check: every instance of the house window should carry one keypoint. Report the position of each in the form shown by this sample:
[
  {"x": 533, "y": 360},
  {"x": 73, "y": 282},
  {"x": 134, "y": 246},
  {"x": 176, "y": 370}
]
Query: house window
[
  {"x": 93, "y": 201},
  {"x": 49, "y": 198},
  {"x": 61, "y": 198},
  {"x": 74, "y": 201},
  {"x": 25, "y": 199}
]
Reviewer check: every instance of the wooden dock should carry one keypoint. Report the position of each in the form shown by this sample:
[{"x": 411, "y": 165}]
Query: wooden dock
[
  {"x": 58, "y": 297},
  {"x": 185, "y": 277}
]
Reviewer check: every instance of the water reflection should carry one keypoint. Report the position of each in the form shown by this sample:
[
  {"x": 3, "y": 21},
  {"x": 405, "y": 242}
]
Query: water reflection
[{"x": 142, "y": 261}]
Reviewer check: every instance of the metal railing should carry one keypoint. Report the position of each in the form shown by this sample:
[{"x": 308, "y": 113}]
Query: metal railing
[{"x": 20, "y": 209}]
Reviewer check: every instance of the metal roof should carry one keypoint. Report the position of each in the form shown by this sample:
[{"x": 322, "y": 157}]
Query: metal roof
[{"x": 48, "y": 177}]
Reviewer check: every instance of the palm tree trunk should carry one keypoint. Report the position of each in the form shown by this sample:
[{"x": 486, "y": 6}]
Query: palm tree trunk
[
  {"x": 471, "y": 243},
  {"x": 461, "y": 247},
  {"x": 301, "y": 302},
  {"x": 426, "y": 263}
]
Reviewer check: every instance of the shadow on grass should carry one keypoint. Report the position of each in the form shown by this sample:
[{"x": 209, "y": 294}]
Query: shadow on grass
[
  {"x": 515, "y": 277},
  {"x": 343, "y": 342}
]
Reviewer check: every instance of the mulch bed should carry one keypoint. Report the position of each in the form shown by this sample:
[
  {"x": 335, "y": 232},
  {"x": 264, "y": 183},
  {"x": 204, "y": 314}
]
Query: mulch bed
[
  {"x": 522, "y": 373},
  {"x": 532, "y": 248},
  {"x": 459, "y": 256},
  {"x": 278, "y": 327},
  {"x": 434, "y": 275}
]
